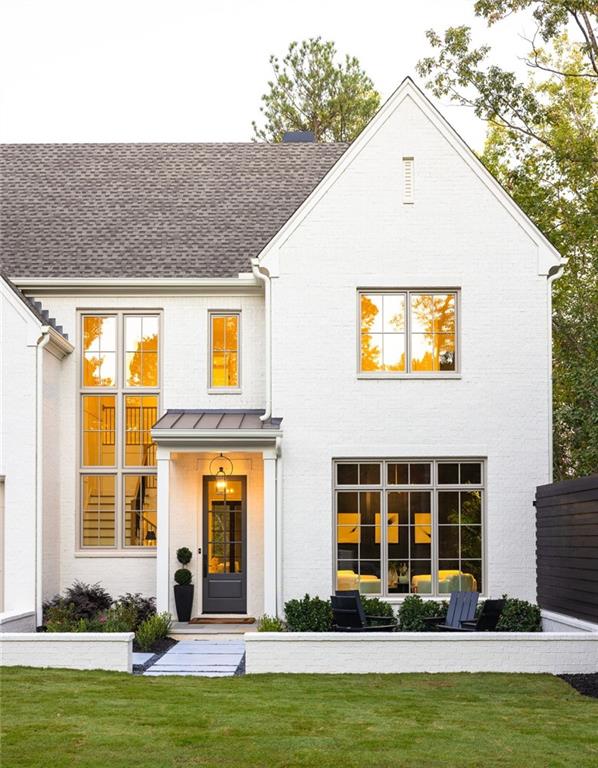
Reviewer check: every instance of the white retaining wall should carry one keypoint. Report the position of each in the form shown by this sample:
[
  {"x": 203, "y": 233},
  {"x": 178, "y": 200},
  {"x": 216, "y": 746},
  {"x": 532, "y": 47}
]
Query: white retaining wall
[
  {"x": 17, "y": 621},
  {"x": 329, "y": 652},
  {"x": 112, "y": 651},
  {"x": 558, "y": 622}
]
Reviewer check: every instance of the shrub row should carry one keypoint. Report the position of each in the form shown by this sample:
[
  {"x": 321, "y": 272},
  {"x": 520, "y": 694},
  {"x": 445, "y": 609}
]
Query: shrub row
[
  {"x": 89, "y": 608},
  {"x": 312, "y": 614}
]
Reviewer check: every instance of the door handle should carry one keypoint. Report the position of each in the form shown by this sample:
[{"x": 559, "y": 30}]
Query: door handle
[{"x": 205, "y": 565}]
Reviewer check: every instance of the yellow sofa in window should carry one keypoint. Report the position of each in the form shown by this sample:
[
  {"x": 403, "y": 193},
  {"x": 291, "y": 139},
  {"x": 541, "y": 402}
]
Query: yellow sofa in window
[
  {"x": 366, "y": 584},
  {"x": 448, "y": 581}
]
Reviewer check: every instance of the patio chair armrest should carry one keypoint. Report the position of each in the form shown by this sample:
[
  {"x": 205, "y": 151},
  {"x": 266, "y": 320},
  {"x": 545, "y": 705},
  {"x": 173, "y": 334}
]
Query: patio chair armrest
[
  {"x": 433, "y": 620},
  {"x": 386, "y": 619},
  {"x": 469, "y": 623}
]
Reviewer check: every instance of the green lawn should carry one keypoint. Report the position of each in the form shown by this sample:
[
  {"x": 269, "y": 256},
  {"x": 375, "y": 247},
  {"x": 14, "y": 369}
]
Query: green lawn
[{"x": 55, "y": 718}]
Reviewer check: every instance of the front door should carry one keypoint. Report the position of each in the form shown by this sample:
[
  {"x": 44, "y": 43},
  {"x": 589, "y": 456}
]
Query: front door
[{"x": 224, "y": 545}]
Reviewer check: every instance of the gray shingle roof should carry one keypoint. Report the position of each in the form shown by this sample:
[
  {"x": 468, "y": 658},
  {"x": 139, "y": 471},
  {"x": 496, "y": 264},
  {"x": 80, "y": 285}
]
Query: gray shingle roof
[
  {"x": 149, "y": 210},
  {"x": 227, "y": 418}
]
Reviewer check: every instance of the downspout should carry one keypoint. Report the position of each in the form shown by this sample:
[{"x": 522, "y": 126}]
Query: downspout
[
  {"x": 265, "y": 278},
  {"x": 42, "y": 342},
  {"x": 551, "y": 278}
]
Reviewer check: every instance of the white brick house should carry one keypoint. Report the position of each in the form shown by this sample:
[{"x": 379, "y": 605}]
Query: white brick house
[{"x": 362, "y": 332}]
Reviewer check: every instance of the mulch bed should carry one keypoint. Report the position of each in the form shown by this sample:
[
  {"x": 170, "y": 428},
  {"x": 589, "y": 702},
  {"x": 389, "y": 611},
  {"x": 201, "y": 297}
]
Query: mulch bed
[{"x": 586, "y": 684}]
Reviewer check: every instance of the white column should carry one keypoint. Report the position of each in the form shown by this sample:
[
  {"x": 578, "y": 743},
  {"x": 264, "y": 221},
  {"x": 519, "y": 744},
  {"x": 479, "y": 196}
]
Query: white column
[
  {"x": 163, "y": 546},
  {"x": 270, "y": 555}
]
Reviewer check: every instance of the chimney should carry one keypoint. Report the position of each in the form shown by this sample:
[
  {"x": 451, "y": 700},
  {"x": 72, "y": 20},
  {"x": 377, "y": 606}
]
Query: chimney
[{"x": 295, "y": 137}]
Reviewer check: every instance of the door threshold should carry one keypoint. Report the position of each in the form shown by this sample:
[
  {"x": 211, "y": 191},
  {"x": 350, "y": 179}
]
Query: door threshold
[{"x": 219, "y": 619}]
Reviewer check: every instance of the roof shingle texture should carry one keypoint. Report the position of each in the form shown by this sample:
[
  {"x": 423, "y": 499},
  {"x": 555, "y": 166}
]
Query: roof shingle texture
[{"x": 149, "y": 210}]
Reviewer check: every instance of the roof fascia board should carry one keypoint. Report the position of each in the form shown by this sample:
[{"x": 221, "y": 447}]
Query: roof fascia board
[
  {"x": 21, "y": 307},
  {"x": 548, "y": 256},
  {"x": 210, "y": 437},
  {"x": 58, "y": 286}
]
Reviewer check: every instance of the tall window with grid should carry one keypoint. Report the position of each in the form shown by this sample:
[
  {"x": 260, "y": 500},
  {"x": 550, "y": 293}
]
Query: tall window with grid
[{"x": 120, "y": 387}]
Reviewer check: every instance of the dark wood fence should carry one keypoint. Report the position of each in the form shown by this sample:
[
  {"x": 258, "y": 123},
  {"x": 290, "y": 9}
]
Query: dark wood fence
[{"x": 567, "y": 547}]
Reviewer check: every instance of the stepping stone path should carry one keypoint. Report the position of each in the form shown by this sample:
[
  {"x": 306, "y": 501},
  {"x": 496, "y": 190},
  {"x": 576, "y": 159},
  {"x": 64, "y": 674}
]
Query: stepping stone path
[{"x": 201, "y": 658}]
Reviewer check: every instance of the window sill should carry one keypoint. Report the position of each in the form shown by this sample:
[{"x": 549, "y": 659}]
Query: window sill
[
  {"x": 116, "y": 553},
  {"x": 407, "y": 376},
  {"x": 224, "y": 391},
  {"x": 398, "y": 600}
]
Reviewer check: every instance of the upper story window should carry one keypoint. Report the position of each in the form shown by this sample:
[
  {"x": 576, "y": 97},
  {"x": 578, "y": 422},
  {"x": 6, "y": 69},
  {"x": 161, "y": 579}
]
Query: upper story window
[
  {"x": 407, "y": 331},
  {"x": 224, "y": 350},
  {"x": 119, "y": 404}
]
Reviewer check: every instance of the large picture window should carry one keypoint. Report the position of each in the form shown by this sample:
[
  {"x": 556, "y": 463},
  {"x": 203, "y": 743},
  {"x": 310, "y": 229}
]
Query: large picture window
[
  {"x": 409, "y": 527},
  {"x": 119, "y": 404},
  {"x": 407, "y": 332}
]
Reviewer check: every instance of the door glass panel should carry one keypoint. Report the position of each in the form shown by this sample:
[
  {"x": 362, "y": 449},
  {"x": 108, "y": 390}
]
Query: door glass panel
[{"x": 225, "y": 527}]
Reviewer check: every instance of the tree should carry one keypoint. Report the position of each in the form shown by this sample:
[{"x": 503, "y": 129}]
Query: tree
[
  {"x": 311, "y": 92},
  {"x": 542, "y": 145}
]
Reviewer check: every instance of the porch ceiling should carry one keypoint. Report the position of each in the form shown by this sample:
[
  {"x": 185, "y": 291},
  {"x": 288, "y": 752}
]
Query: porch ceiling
[{"x": 199, "y": 425}]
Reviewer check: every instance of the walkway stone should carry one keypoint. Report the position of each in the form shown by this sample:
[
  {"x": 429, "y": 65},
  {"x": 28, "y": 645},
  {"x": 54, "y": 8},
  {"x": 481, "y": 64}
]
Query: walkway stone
[{"x": 200, "y": 658}]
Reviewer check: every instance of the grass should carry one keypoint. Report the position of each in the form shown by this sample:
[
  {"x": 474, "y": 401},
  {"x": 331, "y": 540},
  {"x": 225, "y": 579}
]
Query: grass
[{"x": 87, "y": 719}]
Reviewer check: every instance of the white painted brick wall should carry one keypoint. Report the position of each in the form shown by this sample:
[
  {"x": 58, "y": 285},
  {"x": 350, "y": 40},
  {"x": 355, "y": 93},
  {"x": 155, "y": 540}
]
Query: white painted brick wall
[
  {"x": 111, "y": 651},
  {"x": 455, "y": 234},
  {"x": 184, "y": 385},
  {"x": 309, "y": 652},
  {"x": 360, "y": 235},
  {"x": 18, "y": 334}
]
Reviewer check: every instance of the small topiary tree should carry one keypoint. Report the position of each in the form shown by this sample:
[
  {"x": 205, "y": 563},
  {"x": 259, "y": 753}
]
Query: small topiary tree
[
  {"x": 183, "y": 555},
  {"x": 183, "y": 591},
  {"x": 182, "y": 576}
]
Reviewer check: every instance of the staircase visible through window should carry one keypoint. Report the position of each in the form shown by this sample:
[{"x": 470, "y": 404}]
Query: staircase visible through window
[{"x": 119, "y": 405}]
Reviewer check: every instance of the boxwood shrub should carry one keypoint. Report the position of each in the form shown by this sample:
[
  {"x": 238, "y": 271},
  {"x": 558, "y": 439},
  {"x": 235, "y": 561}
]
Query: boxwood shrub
[
  {"x": 519, "y": 616},
  {"x": 310, "y": 614},
  {"x": 413, "y": 610}
]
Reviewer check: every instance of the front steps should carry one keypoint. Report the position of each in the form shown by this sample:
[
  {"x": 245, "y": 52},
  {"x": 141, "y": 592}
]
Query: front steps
[{"x": 183, "y": 631}]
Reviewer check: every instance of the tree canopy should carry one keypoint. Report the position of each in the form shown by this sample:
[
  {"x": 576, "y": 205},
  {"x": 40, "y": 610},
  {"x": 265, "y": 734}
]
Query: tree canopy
[
  {"x": 311, "y": 91},
  {"x": 542, "y": 145}
]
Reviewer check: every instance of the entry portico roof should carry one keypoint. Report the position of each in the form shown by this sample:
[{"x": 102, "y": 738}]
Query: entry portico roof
[{"x": 193, "y": 424}]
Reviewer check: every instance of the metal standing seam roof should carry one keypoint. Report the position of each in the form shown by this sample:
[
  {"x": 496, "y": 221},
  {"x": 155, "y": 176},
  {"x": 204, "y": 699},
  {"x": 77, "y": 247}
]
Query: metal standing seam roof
[
  {"x": 149, "y": 210},
  {"x": 224, "y": 419}
]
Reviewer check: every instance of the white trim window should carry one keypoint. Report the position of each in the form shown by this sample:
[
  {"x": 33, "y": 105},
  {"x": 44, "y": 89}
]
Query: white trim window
[
  {"x": 409, "y": 526},
  {"x": 225, "y": 350},
  {"x": 408, "y": 332},
  {"x": 119, "y": 397}
]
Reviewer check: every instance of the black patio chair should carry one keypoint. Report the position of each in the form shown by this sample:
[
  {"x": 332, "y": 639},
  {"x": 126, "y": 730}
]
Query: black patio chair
[
  {"x": 349, "y": 616},
  {"x": 487, "y": 620},
  {"x": 461, "y": 608}
]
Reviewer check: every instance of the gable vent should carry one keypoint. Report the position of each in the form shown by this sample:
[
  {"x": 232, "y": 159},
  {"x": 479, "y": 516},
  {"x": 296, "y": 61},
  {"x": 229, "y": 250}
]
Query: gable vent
[{"x": 408, "y": 180}]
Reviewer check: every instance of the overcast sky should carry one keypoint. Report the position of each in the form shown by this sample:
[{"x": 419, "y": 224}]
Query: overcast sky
[{"x": 190, "y": 70}]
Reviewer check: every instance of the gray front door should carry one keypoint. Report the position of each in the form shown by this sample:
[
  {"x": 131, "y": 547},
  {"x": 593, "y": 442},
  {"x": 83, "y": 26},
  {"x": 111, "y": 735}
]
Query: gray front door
[{"x": 224, "y": 545}]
